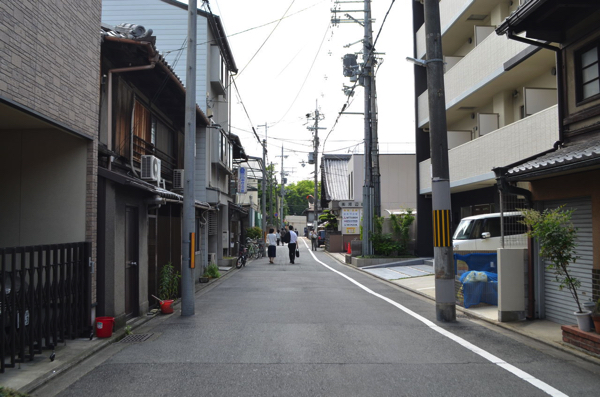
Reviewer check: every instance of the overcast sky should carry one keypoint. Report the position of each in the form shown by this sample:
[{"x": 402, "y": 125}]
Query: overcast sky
[{"x": 288, "y": 69}]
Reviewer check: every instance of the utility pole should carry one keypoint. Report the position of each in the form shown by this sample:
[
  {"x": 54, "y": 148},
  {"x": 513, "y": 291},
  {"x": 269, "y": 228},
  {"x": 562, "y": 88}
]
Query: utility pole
[
  {"x": 281, "y": 215},
  {"x": 366, "y": 78},
  {"x": 271, "y": 195},
  {"x": 263, "y": 201},
  {"x": 445, "y": 306},
  {"x": 189, "y": 210},
  {"x": 316, "y": 129}
]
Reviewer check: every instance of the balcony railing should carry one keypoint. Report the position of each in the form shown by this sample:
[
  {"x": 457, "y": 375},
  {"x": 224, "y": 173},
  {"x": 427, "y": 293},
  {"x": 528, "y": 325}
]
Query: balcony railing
[
  {"x": 449, "y": 13},
  {"x": 473, "y": 161},
  {"x": 481, "y": 66},
  {"x": 45, "y": 298}
]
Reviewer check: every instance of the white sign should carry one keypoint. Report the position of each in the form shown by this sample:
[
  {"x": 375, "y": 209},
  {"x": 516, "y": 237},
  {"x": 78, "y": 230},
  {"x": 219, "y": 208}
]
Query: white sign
[
  {"x": 351, "y": 220},
  {"x": 242, "y": 180},
  {"x": 350, "y": 204}
]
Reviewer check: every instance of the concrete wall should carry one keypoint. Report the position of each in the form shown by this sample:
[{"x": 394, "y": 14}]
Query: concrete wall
[
  {"x": 512, "y": 265},
  {"x": 43, "y": 178}
]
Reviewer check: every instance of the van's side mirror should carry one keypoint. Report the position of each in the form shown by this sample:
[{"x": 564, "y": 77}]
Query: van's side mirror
[{"x": 485, "y": 235}]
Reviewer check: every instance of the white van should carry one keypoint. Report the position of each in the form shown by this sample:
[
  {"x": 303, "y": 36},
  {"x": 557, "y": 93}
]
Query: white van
[{"x": 482, "y": 232}]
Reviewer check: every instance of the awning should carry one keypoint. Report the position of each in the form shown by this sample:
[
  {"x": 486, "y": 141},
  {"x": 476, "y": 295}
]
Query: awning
[
  {"x": 569, "y": 159},
  {"x": 140, "y": 184}
]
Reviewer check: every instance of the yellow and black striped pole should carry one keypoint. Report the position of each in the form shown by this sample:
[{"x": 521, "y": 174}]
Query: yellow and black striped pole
[{"x": 445, "y": 300}]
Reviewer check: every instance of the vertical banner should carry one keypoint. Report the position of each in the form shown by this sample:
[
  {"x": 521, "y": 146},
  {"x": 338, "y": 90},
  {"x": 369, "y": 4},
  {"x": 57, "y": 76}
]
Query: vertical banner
[{"x": 242, "y": 180}]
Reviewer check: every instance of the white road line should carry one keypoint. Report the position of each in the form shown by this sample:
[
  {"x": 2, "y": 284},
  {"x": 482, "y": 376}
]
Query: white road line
[{"x": 475, "y": 349}]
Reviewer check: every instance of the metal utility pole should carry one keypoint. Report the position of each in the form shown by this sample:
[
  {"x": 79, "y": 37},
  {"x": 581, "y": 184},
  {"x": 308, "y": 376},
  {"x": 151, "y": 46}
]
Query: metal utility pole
[
  {"x": 445, "y": 305},
  {"x": 316, "y": 129},
  {"x": 189, "y": 211},
  {"x": 271, "y": 195},
  {"x": 376, "y": 173}
]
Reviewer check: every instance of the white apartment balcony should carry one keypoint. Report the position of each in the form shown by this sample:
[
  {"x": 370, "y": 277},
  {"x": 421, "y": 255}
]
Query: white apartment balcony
[
  {"x": 457, "y": 21},
  {"x": 471, "y": 164},
  {"x": 480, "y": 75}
]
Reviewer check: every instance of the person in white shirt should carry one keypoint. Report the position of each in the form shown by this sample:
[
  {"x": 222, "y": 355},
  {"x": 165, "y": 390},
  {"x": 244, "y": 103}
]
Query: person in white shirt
[
  {"x": 292, "y": 244},
  {"x": 278, "y": 236},
  {"x": 272, "y": 245},
  {"x": 313, "y": 239}
]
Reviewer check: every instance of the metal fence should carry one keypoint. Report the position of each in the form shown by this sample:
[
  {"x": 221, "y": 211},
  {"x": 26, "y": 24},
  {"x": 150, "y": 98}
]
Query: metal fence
[{"x": 45, "y": 298}]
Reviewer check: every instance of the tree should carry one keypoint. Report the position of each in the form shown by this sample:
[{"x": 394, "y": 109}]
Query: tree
[
  {"x": 558, "y": 241},
  {"x": 295, "y": 196}
]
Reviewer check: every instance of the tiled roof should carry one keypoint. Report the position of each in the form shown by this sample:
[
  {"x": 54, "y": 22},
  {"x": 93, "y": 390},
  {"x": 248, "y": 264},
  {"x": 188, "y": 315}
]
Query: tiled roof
[
  {"x": 569, "y": 155},
  {"x": 335, "y": 176}
]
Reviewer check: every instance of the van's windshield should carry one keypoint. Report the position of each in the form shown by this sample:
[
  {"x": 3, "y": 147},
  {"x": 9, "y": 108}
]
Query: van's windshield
[{"x": 464, "y": 229}]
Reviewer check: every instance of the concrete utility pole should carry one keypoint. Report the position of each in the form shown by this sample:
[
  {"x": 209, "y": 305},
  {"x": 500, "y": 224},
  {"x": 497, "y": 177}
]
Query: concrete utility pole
[
  {"x": 189, "y": 202},
  {"x": 316, "y": 129},
  {"x": 263, "y": 200},
  {"x": 281, "y": 217},
  {"x": 367, "y": 73},
  {"x": 445, "y": 305}
]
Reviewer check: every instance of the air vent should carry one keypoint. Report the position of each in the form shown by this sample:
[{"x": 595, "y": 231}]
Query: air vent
[
  {"x": 212, "y": 224},
  {"x": 178, "y": 179}
]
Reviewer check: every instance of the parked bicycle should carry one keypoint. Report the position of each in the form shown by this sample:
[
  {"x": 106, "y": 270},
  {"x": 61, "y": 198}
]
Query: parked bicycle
[
  {"x": 254, "y": 251},
  {"x": 241, "y": 260}
]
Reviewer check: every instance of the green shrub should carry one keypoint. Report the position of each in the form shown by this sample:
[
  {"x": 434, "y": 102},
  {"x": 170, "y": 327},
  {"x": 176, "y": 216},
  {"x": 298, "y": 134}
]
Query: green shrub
[
  {"x": 168, "y": 282},
  {"x": 212, "y": 271},
  {"x": 6, "y": 392},
  {"x": 254, "y": 232}
]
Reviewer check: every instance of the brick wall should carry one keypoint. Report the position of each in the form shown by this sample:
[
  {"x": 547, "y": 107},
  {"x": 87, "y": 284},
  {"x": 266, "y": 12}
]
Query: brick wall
[{"x": 49, "y": 59}]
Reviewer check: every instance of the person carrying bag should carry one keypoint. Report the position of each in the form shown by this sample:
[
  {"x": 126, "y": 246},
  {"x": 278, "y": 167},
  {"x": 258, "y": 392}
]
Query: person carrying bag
[{"x": 292, "y": 240}]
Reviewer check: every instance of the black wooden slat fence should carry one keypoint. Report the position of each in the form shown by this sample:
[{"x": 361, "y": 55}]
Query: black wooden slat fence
[{"x": 45, "y": 298}]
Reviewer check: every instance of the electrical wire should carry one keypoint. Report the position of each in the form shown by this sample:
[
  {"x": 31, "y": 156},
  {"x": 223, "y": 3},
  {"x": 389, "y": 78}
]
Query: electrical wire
[
  {"x": 267, "y": 39},
  {"x": 307, "y": 74},
  {"x": 355, "y": 83}
]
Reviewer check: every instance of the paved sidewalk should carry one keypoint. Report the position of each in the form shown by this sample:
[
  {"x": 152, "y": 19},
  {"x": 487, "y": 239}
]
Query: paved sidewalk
[
  {"x": 545, "y": 331},
  {"x": 31, "y": 375}
]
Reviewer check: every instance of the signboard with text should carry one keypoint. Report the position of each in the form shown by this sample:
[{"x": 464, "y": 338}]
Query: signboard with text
[
  {"x": 351, "y": 220},
  {"x": 242, "y": 180}
]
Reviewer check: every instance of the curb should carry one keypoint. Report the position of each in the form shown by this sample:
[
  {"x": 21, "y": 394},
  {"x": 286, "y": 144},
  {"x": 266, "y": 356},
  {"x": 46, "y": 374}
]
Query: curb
[{"x": 573, "y": 350}]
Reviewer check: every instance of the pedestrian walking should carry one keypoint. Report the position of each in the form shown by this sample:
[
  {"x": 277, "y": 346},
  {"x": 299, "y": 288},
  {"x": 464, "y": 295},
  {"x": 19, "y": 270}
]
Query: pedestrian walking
[
  {"x": 313, "y": 240},
  {"x": 271, "y": 241},
  {"x": 293, "y": 239},
  {"x": 278, "y": 235}
]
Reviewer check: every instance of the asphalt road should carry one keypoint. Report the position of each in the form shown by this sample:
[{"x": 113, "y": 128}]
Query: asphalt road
[{"x": 319, "y": 328}]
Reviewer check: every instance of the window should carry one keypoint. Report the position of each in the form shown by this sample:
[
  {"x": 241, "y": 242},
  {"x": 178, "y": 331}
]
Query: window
[
  {"x": 225, "y": 151},
  {"x": 588, "y": 76}
]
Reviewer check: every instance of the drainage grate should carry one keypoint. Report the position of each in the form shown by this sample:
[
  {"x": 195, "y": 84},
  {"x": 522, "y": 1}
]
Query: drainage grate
[{"x": 136, "y": 338}]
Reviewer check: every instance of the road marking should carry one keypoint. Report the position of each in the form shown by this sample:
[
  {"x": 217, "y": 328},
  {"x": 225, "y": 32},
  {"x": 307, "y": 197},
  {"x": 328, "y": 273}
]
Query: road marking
[
  {"x": 421, "y": 289},
  {"x": 475, "y": 349}
]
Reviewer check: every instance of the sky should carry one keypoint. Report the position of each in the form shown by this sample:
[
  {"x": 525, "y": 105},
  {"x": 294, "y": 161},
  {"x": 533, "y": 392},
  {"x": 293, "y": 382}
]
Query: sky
[{"x": 289, "y": 59}]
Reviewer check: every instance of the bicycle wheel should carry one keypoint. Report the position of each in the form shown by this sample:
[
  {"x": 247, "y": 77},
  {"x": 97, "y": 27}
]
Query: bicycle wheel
[{"x": 240, "y": 262}]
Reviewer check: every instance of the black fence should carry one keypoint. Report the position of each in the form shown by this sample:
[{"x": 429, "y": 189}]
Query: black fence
[{"x": 44, "y": 298}]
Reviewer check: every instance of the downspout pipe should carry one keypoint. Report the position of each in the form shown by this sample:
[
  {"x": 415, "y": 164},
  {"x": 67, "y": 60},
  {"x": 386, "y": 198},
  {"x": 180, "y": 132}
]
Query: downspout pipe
[{"x": 559, "y": 79}]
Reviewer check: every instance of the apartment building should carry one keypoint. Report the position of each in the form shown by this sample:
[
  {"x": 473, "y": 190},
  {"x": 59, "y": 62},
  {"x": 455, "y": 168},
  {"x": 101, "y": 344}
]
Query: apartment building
[{"x": 501, "y": 106}]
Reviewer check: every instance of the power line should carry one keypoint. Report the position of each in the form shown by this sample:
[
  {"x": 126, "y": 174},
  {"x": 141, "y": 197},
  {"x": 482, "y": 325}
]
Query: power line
[
  {"x": 307, "y": 74},
  {"x": 267, "y": 39}
]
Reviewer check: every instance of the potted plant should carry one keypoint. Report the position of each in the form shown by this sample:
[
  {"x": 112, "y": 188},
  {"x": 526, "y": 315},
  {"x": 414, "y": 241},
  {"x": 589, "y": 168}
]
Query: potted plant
[
  {"x": 556, "y": 235},
  {"x": 596, "y": 316},
  {"x": 168, "y": 287}
]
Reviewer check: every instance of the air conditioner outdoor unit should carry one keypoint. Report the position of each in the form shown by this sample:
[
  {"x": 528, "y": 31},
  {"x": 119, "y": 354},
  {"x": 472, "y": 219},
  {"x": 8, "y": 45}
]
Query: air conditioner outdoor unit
[
  {"x": 212, "y": 258},
  {"x": 178, "y": 179},
  {"x": 150, "y": 168}
]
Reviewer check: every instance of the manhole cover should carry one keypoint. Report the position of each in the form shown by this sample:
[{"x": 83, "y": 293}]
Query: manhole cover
[{"x": 135, "y": 338}]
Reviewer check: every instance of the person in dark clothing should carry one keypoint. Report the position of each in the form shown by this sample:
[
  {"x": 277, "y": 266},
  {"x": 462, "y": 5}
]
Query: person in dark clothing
[{"x": 293, "y": 239}]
